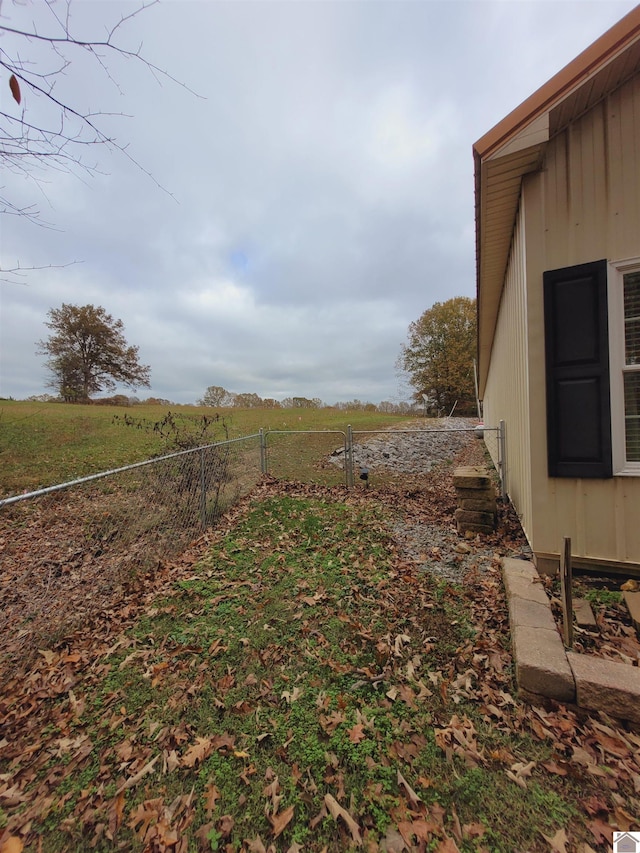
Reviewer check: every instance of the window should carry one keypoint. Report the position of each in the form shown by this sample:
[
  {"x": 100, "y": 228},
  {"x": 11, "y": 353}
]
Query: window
[{"x": 624, "y": 332}]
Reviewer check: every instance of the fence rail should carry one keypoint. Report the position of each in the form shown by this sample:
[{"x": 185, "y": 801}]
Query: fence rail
[{"x": 213, "y": 466}]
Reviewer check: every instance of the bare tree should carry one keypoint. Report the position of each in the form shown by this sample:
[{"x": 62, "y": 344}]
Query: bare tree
[{"x": 40, "y": 128}]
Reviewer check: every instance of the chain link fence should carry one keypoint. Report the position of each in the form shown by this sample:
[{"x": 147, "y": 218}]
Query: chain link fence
[
  {"x": 73, "y": 549},
  {"x": 311, "y": 456}
]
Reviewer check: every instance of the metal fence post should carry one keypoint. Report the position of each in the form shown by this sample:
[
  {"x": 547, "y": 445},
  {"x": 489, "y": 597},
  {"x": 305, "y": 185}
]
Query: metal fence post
[
  {"x": 263, "y": 452},
  {"x": 203, "y": 490},
  {"x": 502, "y": 457},
  {"x": 348, "y": 457}
]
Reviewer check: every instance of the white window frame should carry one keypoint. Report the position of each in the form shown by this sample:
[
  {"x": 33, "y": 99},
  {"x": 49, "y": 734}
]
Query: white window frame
[{"x": 617, "y": 366}]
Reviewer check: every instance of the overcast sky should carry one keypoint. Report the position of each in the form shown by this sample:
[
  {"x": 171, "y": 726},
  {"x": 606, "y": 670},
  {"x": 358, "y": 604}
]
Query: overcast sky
[{"x": 313, "y": 201}]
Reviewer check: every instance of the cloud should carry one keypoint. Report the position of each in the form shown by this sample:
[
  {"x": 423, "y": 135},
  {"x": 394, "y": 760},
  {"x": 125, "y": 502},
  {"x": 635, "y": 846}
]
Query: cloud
[{"x": 310, "y": 204}]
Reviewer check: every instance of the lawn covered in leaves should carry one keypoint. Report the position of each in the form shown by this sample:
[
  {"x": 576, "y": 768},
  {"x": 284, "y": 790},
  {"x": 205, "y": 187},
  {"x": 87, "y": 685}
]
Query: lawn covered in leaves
[{"x": 298, "y": 685}]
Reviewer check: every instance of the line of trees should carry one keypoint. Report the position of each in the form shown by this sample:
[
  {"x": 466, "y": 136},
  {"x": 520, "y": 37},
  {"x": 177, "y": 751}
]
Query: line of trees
[
  {"x": 218, "y": 397},
  {"x": 88, "y": 353}
]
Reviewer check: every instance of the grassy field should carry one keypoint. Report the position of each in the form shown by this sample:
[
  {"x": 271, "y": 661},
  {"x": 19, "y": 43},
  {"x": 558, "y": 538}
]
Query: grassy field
[{"x": 42, "y": 444}]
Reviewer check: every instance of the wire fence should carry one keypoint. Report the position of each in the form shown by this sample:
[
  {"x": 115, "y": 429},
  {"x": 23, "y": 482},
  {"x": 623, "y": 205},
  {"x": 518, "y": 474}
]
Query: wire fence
[{"x": 70, "y": 549}]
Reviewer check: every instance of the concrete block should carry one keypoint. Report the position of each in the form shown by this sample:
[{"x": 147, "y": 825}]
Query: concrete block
[
  {"x": 466, "y": 516},
  {"x": 523, "y": 587},
  {"x": 478, "y": 503},
  {"x": 530, "y": 614},
  {"x": 605, "y": 685},
  {"x": 471, "y": 477},
  {"x": 523, "y": 568},
  {"x": 541, "y": 663}
]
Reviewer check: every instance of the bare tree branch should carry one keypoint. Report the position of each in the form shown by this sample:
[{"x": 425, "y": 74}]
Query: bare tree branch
[
  {"x": 27, "y": 143},
  {"x": 21, "y": 272}
]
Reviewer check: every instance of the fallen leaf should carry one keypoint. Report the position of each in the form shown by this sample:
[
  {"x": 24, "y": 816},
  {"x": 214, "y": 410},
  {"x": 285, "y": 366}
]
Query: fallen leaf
[
  {"x": 414, "y": 799},
  {"x": 473, "y": 830},
  {"x": 393, "y": 842},
  {"x": 447, "y": 845},
  {"x": 356, "y": 734},
  {"x": 225, "y": 825},
  {"x": 281, "y": 820},
  {"x": 197, "y": 753},
  {"x": 140, "y": 775},
  {"x": 558, "y": 842},
  {"x": 291, "y": 696},
  {"x": 211, "y": 794},
  {"x": 336, "y": 811}
]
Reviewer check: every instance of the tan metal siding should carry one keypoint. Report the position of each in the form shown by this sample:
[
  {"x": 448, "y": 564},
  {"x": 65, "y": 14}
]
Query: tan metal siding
[
  {"x": 589, "y": 199},
  {"x": 506, "y": 394}
]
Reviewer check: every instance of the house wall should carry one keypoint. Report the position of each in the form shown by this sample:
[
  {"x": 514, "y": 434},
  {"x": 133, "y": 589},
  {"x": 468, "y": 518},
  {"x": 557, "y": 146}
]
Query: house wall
[
  {"x": 506, "y": 395},
  {"x": 583, "y": 206}
]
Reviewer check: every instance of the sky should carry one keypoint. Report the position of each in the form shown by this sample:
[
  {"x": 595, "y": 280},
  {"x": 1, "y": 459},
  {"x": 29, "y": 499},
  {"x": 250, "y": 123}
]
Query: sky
[{"x": 278, "y": 209}]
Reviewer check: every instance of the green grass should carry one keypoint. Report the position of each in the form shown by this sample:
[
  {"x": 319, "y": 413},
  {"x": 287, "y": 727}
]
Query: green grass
[
  {"x": 259, "y": 678},
  {"x": 42, "y": 444}
]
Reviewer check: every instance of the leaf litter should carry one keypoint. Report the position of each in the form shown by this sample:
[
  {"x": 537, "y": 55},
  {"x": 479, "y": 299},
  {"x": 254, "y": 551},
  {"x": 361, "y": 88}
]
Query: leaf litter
[{"x": 302, "y": 679}]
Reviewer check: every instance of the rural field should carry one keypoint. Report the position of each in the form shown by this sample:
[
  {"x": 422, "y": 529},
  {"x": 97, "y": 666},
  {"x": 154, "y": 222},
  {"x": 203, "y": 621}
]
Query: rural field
[
  {"x": 46, "y": 443},
  {"x": 323, "y": 669}
]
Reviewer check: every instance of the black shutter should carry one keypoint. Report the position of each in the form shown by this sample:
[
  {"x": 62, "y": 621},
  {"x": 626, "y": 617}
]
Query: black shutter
[{"x": 577, "y": 361}]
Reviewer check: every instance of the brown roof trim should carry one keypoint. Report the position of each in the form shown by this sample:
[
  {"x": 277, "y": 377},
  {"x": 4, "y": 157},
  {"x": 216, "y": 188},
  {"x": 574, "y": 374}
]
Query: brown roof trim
[{"x": 596, "y": 55}]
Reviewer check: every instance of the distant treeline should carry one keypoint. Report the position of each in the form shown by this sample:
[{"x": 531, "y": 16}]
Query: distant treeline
[{"x": 219, "y": 398}]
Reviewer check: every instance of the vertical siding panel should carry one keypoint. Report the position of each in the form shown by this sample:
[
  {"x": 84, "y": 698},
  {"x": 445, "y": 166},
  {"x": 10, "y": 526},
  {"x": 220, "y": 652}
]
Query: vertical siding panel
[
  {"x": 506, "y": 395},
  {"x": 596, "y": 161}
]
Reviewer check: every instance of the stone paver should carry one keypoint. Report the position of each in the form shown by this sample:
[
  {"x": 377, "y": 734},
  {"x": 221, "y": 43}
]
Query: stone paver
[
  {"x": 530, "y": 614},
  {"x": 522, "y": 581},
  {"x": 541, "y": 662},
  {"x": 545, "y": 668},
  {"x": 605, "y": 685}
]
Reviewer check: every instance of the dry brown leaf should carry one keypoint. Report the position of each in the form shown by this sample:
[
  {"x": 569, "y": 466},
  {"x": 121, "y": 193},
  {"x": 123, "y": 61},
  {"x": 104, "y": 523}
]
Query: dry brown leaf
[
  {"x": 356, "y": 734},
  {"x": 473, "y": 830},
  {"x": 414, "y": 799},
  {"x": 557, "y": 842},
  {"x": 447, "y": 845},
  {"x": 393, "y": 842},
  {"x": 197, "y": 753},
  {"x": 211, "y": 794},
  {"x": 421, "y": 830},
  {"x": 133, "y": 780},
  {"x": 116, "y": 812},
  {"x": 336, "y": 811},
  {"x": 280, "y": 821},
  {"x": 15, "y": 88}
]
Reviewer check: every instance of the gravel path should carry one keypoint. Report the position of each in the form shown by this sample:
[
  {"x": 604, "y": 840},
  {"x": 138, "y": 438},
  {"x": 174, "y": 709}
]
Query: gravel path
[{"x": 425, "y": 530}]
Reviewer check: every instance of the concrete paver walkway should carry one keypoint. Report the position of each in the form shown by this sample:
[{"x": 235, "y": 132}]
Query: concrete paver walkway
[{"x": 545, "y": 668}]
